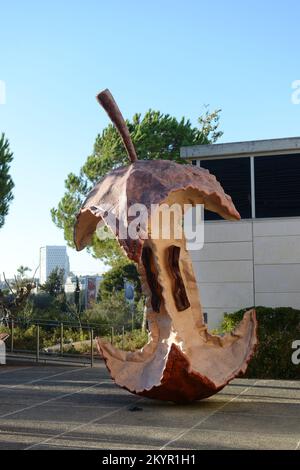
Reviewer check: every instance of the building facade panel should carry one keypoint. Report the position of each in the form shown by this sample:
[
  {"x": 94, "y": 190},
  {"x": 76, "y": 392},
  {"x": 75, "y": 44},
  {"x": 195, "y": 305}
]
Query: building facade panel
[
  {"x": 277, "y": 249},
  {"x": 234, "y": 251},
  {"x": 277, "y": 278},
  {"x": 229, "y": 296},
  {"x": 226, "y": 231},
  {"x": 277, "y": 227},
  {"x": 224, "y": 271},
  {"x": 279, "y": 299}
]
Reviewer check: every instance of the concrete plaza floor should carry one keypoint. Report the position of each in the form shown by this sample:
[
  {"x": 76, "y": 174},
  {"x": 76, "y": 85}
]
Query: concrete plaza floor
[{"x": 65, "y": 407}]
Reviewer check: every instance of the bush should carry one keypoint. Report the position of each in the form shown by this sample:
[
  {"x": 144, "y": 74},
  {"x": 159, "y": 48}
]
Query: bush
[
  {"x": 25, "y": 336},
  {"x": 25, "y": 339},
  {"x": 277, "y": 329},
  {"x": 133, "y": 340},
  {"x": 115, "y": 310}
]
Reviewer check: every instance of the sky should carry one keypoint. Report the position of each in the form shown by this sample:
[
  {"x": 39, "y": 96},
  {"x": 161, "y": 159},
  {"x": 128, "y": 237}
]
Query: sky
[{"x": 175, "y": 56}]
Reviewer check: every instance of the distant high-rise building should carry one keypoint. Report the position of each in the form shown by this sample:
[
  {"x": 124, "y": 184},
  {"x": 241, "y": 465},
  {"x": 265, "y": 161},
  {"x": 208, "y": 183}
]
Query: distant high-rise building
[{"x": 52, "y": 257}]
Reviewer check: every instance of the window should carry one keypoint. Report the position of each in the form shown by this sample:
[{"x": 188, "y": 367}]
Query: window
[
  {"x": 235, "y": 177},
  {"x": 277, "y": 186}
]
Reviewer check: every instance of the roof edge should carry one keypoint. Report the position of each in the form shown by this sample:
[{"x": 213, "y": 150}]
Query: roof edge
[{"x": 250, "y": 147}]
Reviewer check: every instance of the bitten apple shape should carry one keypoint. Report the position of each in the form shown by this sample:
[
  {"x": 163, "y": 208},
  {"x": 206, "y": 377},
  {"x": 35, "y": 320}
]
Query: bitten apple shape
[{"x": 182, "y": 361}]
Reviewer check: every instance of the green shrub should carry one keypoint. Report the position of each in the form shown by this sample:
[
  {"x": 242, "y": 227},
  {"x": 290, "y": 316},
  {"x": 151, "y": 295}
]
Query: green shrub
[
  {"x": 115, "y": 310},
  {"x": 25, "y": 336},
  {"x": 133, "y": 340},
  {"x": 277, "y": 329}
]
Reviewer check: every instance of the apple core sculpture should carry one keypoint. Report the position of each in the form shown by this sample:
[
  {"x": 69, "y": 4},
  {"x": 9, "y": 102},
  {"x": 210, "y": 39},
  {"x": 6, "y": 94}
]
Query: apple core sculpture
[{"x": 182, "y": 361}]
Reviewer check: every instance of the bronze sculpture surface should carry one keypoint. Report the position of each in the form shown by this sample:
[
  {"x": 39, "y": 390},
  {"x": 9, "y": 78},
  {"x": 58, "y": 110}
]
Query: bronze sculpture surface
[{"x": 182, "y": 361}]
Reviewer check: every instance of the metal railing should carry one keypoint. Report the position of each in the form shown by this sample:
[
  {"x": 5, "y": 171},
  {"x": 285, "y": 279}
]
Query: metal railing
[{"x": 52, "y": 341}]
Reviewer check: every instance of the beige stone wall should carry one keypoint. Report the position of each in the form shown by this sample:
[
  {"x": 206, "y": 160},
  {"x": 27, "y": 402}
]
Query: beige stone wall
[{"x": 251, "y": 262}]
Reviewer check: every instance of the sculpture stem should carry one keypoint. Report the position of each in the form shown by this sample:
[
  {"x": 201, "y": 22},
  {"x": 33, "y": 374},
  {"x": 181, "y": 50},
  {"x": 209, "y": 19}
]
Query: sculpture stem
[{"x": 107, "y": 101}]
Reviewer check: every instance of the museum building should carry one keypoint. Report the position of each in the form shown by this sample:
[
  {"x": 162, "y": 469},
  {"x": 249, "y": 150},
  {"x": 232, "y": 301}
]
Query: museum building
[{"x": 255, "y": 261}]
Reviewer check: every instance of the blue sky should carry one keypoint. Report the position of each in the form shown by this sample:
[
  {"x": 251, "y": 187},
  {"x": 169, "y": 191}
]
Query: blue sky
[{"x": 175, "y": 56}]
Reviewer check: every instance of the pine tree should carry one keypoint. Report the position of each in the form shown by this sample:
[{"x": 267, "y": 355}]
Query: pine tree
[{"x": 6, "y": 182}]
